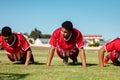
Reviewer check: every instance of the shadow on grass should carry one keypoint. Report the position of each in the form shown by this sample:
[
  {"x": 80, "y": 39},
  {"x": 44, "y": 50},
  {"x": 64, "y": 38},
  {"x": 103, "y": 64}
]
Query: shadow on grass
[
  {"x": 35, "y": 63},
  {"x": 70, "y": 63},
  {"x": 91, "y": 64},
  {"x": 12, "y": 76},
  {"x": 38, "y": 63},
  {"x": 112, "y": 64},
  {"x": 88, "y": 64}
]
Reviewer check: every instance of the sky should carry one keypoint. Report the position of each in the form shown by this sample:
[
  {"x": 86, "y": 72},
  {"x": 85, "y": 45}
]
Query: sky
[{"x": 89, "y": 16}]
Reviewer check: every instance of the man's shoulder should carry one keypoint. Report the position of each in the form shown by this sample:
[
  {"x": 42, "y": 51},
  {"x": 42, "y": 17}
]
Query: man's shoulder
[
  {"x": 115, "y": 40},
  {"x": 0, "y": 34},
  {"x": 0, "y": 37},
  {"x": 76, "y": 30},
  {"x": 57, "y": 30},
  {"x": 17, "y": 33}
]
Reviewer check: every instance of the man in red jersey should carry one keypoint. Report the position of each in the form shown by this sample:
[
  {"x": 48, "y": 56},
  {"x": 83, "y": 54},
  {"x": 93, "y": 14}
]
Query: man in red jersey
[
  {"x": 113, "y": 47},
  {"x": 68, "y": 43},
  {"x": 16, "y": 46}
]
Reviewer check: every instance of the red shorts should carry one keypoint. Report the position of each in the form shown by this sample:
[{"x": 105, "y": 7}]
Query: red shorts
[
  {"x": 73, "y": 53},
  {"x": 15, "y": 58},
  {"x": 113, "y": 57}
]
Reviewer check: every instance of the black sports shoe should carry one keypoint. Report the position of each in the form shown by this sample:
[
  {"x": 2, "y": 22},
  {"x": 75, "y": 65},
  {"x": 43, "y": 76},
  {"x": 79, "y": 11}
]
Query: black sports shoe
[
  {"x": 22, "y": 60},
  {"x": 75, "y": 61},
  {"x": 31, "y": 59},
  {"x": 65, "y": 60}
]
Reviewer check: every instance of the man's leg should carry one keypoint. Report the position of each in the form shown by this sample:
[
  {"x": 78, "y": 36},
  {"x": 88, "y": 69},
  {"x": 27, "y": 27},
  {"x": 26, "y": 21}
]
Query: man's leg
[
  {"x": 73, "y": 55},
  {"x": 106, "y": 59},
  {"x": 10, "y": 57},
  {"x": 31, "y": 59},
  {"x": 62, "y": 55},
  {"x": 115, "y": 55},
  {"x": 112, "y": 56},
  {"x": 23, "y": 59}
]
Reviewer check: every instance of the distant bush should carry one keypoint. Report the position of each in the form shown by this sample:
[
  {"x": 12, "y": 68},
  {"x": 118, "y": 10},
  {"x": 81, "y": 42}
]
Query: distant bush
[
  {"x": 30, "y": 41},
  {"x": 94, "y": 44}
]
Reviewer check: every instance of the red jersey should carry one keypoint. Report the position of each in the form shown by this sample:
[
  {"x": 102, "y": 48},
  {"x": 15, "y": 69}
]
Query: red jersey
[
  {"x": 114, "y": 48},
  {"x": 17, "y": 48},
  {"x": 113, "y": 45},
  {"x": 76, "y": 39}
]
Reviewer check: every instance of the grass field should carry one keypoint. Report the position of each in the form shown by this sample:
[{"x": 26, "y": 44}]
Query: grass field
[{"x": 58, "y": 70}]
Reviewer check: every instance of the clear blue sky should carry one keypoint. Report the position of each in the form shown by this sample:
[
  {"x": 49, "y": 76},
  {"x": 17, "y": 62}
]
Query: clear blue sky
[{"x": 89, "y": 16}]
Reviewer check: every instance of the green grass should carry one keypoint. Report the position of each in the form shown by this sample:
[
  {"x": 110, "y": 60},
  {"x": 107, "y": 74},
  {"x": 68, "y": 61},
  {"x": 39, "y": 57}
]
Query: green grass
[{"x": 58, "y": 71}]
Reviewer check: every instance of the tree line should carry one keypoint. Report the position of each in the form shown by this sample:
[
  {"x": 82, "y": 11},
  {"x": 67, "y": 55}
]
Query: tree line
[{"x": 37, "y": 34}]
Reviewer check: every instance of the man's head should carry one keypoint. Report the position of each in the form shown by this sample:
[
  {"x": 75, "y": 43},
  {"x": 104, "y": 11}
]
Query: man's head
[
  {"x": 67, "y": 25},
  {"x": 6, "y": 31},
  {"x": 67, "y": 28},
  {"x": 7, "y": 34}
]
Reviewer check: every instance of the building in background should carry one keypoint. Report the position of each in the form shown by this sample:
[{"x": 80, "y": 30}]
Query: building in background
[
  {"x": 91, "y": 37},
  {"x": 93, "y": 40}
]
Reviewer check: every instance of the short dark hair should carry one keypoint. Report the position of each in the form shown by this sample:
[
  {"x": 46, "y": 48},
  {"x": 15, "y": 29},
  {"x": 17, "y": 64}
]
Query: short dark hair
[
  {"x": 67, "y": 25},
  {"x": 6, "y": 31}
]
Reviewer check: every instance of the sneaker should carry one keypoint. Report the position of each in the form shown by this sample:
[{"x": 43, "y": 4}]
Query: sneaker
[
  {"x": 65, "y": 60},
  {"x": 32, "y": 59},
  {"x": 24, "y": 60},
  {"x": 75, "y": 61}
]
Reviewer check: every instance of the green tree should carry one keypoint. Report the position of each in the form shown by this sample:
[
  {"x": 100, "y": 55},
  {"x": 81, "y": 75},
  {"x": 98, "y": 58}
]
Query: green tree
[
  {"x": 45, "y": 36},
  {"x": 26, "y": 34},
  {"x": 35, "y": 34}
]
